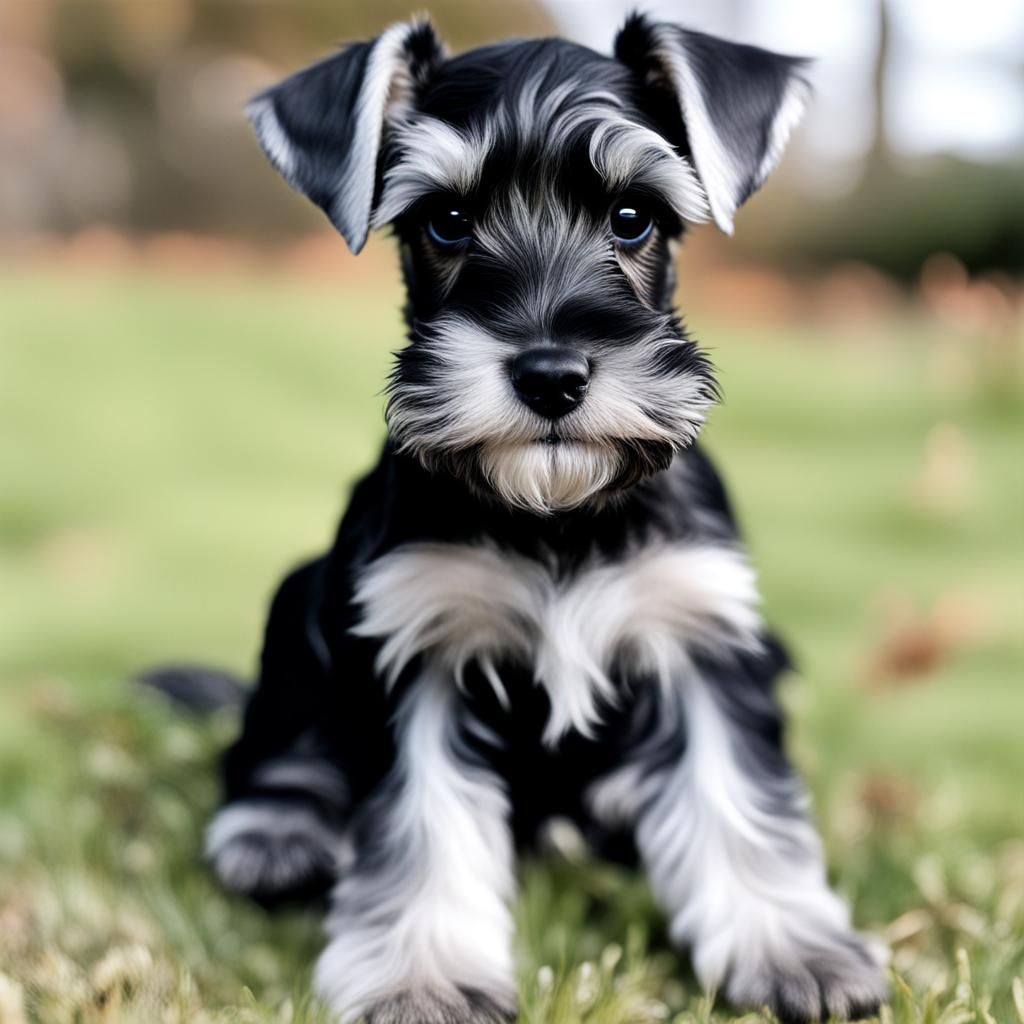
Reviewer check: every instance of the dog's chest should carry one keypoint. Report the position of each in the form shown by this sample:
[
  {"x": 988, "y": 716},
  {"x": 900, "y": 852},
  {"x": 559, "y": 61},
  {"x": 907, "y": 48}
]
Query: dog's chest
[{"x": 462, "y": 603}]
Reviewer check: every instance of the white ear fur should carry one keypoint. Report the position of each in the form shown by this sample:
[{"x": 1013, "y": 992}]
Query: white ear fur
[
  {"x": 385, "y": 93},
  {"x": 738, "y": 104},
  {"x": 726, "y": 181}
]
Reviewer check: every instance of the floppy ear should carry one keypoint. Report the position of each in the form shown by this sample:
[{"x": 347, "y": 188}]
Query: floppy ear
[
  {"x": 322, "y": 128},
  {"x": 738, "y": 103}
]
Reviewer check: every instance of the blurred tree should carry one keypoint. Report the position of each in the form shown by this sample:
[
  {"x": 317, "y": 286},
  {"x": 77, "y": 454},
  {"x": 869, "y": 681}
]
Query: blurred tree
[
  {"x": 129, "y": 112},
  {"x": 902, "y": 209},
  {"x": 150, "y": 133}
]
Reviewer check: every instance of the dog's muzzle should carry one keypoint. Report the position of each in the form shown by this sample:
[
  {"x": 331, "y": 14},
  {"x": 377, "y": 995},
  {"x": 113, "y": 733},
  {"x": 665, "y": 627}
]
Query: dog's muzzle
[{"x": 552, "y": 380}]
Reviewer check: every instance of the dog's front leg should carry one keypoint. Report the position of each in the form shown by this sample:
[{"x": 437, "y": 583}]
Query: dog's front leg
[
  {"x": 736, "y": 863},
  {"x": 421, "y": 930}
]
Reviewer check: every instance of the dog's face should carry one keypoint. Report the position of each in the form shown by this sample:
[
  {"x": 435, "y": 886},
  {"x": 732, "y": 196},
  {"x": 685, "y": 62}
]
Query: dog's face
[{"x": 537, "y": 190}]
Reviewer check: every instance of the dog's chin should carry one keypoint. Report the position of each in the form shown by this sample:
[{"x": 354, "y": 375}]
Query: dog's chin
[{"x": 551, "y": 475}]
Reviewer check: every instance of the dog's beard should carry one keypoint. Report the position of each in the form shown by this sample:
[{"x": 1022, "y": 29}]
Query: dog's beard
[
  {"x": 548, "y": 477},
  {"x": 453, "y": 406}
]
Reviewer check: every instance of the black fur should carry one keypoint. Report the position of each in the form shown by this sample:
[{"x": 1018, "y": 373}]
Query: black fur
[
  {"x": 323, "y": 732},
  {"x": 316, "y": 677}
]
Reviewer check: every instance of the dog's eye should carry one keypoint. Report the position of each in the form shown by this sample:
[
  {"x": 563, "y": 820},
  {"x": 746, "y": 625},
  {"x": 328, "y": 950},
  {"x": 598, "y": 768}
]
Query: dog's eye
[
  {"x": 449, "y": 224},
  {"x": 631, "y": 221}
]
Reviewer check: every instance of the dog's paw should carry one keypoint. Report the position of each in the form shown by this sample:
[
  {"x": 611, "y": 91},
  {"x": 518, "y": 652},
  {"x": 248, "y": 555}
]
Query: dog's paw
[
  {"x": 843, "y": 979},
  {"x": 465, "y": 1007},
  {"x": 273, "y": 850}
]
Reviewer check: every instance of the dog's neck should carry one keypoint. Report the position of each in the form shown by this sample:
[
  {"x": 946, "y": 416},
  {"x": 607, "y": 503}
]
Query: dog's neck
[{"x": 422, "y": 505}]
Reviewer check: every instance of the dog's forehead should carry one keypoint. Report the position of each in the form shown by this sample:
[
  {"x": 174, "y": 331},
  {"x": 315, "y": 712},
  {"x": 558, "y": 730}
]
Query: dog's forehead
[
  {"x": 520, "y": 75},
  {"x": 520, "y": 114}
]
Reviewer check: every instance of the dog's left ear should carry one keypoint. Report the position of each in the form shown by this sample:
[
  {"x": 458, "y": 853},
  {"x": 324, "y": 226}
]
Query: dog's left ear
[
  {"x": 322, "y": 127},
  {"x": 738, "y": 103}
]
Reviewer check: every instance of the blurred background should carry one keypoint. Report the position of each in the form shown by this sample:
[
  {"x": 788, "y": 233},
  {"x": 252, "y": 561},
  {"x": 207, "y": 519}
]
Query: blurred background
[
  {"x": 125, "y": 116},
  {"x": 190, "y": 376}
]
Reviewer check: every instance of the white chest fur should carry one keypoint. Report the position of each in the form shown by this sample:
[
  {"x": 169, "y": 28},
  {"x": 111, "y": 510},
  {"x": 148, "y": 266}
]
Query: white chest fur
[{"x": 464, "y": 603}]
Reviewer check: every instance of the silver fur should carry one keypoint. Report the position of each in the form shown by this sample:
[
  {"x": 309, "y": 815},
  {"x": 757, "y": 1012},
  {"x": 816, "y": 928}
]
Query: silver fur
[
  {"x": 266, "y": 846},
  {"x": 428, "y": 919}
]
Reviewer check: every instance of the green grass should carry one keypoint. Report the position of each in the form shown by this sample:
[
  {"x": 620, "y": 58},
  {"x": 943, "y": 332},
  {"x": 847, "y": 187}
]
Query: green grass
[{"x": 169, "y": 448}]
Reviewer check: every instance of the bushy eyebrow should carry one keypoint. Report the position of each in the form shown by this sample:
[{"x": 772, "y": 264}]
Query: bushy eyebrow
[
  {"x": 628, "y": 155},
  {"x": 437, "y": 157}
]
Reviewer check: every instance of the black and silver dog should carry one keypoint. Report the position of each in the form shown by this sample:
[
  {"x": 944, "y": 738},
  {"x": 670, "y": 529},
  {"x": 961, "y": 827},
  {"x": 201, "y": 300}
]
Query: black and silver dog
[{"x": 537, "y": 604}]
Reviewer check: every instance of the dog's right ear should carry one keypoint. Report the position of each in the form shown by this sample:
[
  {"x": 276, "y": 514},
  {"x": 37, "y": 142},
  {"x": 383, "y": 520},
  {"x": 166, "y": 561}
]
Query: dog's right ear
[
  {"x": 322, "y": 127},
  {"x": 737, "y": 104}
]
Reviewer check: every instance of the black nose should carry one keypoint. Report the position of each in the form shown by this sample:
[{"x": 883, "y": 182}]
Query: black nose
[{"x": 551, "y": 380}]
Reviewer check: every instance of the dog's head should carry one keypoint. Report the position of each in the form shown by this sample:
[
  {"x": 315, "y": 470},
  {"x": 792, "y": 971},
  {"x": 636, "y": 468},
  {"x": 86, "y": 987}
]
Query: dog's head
[{"x": 537, "y": 190}]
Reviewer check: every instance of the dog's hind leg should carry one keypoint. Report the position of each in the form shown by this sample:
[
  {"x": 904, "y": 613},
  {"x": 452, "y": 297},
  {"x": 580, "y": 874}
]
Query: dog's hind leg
[
  {"x": 421, "y": 928},
  {"x": 289, "y": 785},
  {"x": 721, "y": 825}
]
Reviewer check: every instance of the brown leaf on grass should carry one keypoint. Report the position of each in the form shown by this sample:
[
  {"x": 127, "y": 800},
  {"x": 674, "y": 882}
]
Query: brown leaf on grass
[
  {"x": 911, "y": 650},
  {"x": 888, "y": 798},
  {"x": 915, "y": 642}
]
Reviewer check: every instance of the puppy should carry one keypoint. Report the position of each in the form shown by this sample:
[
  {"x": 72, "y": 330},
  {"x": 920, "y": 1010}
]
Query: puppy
[{"x": 537, "y": 604}]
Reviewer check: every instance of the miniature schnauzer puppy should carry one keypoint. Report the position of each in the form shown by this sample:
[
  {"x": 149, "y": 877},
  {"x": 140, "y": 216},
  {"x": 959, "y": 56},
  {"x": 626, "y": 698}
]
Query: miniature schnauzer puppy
[{"x": 538, "y": 604}]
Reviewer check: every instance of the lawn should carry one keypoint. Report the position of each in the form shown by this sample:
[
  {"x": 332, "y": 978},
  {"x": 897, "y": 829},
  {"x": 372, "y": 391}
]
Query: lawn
[{"x": 170, "y": 447}]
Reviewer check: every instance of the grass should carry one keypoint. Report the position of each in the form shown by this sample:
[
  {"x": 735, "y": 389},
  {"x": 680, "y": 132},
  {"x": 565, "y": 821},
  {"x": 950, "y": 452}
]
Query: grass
[{"x": 170, "y": 447}]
